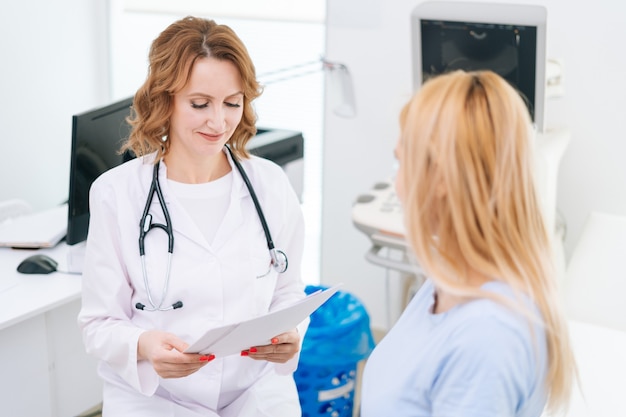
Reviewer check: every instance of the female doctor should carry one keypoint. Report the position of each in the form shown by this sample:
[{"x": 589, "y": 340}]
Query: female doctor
[{"x": 177, "y": 246}]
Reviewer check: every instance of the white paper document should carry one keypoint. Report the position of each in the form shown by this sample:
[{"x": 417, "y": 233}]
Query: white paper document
[
  {"x": 43, "y": 229},
  {"x": 232, "y": 339}
]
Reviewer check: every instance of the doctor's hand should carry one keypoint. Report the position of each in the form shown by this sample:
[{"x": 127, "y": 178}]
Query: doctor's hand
[
  {"x": 283, "y": 347},
  {"x": 165, "y": 353}
]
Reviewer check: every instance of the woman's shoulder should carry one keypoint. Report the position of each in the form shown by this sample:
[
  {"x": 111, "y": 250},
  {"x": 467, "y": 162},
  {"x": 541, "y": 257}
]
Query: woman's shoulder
[
  {"x": 124, "y": 181},
  {"x": 262, "y": 166},
  {"x": 509, "y": 321},
  {"x": 266, "y": 174},
  {"x": 503, "y": 303},
  {"x": 121, "y": 174}
]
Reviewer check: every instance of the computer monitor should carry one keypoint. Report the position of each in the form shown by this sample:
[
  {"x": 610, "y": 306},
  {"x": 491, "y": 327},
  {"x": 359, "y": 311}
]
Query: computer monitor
[
  {"x": 505, "y": 38},
  {"x": 97, "y": 136}
]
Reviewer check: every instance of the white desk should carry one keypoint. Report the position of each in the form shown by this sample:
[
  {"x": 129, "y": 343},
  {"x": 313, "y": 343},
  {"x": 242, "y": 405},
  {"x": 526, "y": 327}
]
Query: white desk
[{"x": 45, "y": 371}]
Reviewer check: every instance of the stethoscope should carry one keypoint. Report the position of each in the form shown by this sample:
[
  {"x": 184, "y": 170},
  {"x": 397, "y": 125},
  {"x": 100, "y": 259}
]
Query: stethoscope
[{"x": 278, "y": 258}]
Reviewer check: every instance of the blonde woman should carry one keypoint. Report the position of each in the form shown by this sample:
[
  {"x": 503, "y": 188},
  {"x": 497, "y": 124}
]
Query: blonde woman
[{"x": 483, "y": 336}]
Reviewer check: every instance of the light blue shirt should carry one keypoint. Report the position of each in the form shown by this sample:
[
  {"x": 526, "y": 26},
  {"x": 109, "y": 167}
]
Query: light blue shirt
[{"x": 477, "y": 359}]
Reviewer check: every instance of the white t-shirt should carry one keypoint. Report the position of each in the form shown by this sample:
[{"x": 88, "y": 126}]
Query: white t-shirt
[{"x": 205, "y": 203}]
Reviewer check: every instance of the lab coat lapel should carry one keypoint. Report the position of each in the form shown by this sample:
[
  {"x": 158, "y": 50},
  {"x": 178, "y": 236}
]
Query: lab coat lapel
[
  {"x": 181, "y": 222},
  {"x": 234, "y": 215}
]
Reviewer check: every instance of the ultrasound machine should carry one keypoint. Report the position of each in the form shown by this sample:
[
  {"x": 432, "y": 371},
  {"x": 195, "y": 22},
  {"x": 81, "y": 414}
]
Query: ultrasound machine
[{"x": 511, "y": 41}]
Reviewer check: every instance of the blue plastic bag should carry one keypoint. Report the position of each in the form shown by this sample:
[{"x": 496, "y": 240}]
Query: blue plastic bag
[
  {"x": 339, "y": 332},
  {"x": 339, "y": 336}
]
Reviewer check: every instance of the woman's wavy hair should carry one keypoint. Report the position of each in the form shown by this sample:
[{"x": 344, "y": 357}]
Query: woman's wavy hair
[
  {"x": 172, "y": 56},
  {"x": 470, "y": 134}
]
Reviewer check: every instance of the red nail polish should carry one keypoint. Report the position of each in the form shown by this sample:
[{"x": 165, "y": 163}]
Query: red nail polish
[
  {"x": 211, "y": 357},
  {"x": 274, "y": 340},
  {"x": 244, "y": 353},
  {"x": 252, "y": 350},
  {"x": 204, "y": 358}
]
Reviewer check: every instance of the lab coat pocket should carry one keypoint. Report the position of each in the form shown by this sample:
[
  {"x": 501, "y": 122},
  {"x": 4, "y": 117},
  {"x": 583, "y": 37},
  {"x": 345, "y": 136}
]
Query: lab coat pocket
[
  {"x": 264, "y": 281},
  {"x": 262, "y": 267}
]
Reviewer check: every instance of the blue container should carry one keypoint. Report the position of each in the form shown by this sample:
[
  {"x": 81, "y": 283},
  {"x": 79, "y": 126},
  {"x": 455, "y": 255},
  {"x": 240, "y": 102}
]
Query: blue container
[{"x": 338, "y": 338}]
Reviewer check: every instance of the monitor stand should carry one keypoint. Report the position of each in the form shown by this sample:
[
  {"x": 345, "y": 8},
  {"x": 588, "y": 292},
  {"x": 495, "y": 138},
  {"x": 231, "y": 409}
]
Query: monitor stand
[{"x": 76, "y": 257}]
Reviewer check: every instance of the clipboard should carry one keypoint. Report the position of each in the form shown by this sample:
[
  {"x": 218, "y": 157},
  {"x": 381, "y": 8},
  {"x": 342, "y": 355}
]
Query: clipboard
[{"x": 233, "y": 338}]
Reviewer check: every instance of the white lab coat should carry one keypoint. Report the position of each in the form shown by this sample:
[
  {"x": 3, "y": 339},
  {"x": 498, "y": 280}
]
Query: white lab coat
[{"x": 216, "y": 282}]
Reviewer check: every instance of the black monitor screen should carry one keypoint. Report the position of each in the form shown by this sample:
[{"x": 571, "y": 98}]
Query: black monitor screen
[
  {"x": 508, "y": 50},
  {"x": 97, "y": 136}
]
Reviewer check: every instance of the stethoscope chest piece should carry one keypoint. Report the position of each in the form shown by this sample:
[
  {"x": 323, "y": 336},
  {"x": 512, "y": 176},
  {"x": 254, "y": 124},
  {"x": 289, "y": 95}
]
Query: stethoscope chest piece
[{"x": 279, "y": 260}]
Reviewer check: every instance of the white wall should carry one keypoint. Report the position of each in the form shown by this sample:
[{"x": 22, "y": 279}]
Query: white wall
[
  {"x": 54, "y": 64},
  {"x": 372, "y": 38}
]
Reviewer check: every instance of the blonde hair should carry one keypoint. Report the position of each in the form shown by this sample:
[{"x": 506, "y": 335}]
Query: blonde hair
[
  {"x": 470, "y": 134},
  {"x": 172, "y": 56}
]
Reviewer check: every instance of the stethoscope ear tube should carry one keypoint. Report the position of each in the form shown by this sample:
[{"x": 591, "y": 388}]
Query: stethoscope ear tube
[
  {"x": 145, "y": 223},
  {"x": 154, "y": 307},
  {"x": 177, "y": 304},
  {"x": 279, "y": 262}
]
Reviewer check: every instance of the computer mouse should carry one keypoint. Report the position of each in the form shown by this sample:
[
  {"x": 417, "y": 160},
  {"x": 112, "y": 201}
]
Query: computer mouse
[{"x": 37, "y": 264}]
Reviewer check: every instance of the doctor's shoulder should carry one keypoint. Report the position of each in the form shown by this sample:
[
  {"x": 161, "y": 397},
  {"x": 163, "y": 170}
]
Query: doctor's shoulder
[
  {"x": 126, "y": 175},
  {"x": 265, "y": 173},
  {"x": 271, "y": 178}
]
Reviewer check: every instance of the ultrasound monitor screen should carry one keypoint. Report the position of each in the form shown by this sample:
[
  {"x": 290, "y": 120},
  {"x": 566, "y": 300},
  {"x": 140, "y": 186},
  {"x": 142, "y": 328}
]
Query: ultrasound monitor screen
[{"x": 508, "y": 50}]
